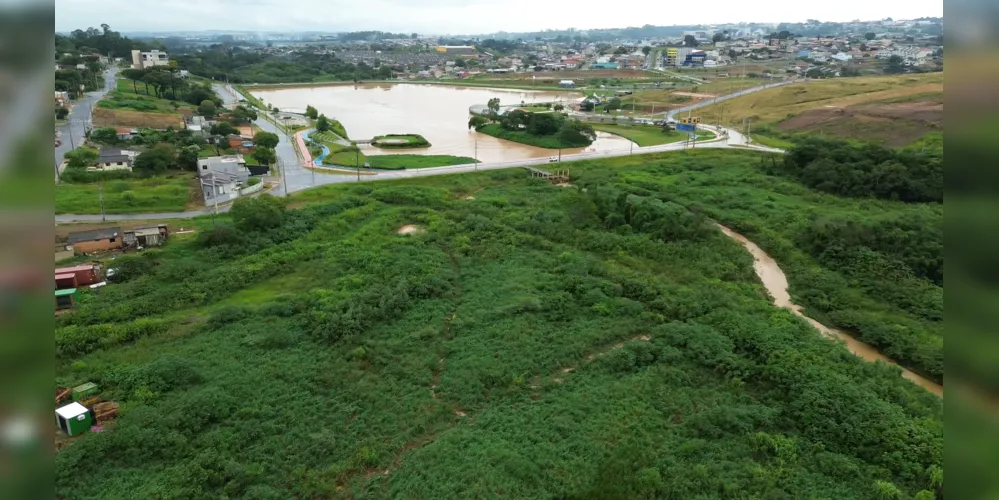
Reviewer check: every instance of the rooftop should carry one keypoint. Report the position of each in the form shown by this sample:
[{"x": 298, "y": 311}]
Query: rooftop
[
  {"x": 94, "y": 234},
  {"x": 72, "y": 410},
  {"x": 65, "y": 291}
]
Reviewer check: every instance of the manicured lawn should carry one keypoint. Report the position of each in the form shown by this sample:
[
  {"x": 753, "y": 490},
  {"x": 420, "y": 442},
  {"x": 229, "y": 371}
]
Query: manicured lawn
[
  {"x": 399, "y": 162},
  {"x": 157, "y": 194},
  {"x": 412, "y": 141},
  {"x": 643, "y": 135},
  {"x": 541, "y": 141}
]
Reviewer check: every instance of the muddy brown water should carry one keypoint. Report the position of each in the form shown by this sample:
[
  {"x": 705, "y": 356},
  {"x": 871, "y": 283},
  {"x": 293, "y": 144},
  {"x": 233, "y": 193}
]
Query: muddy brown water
[
  {"x": 775, "y": 282},
  {"x": 437, "y": 112}
]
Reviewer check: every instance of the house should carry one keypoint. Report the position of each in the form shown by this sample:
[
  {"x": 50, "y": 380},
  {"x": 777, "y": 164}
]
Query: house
[
  {"x": 841, "y": 57},
  {"x": 95, "y": 240},
  {"x": 233, "y": 164},
  {"x": 567, "y": 84},
  {"x": 143, "y": 60},
  {"x": 146, "y": 236},
  {"x": 219, "y": 186},
  {"x": 459, "y": 50},
  {"x": 125, "y": 133},
  {"x": 113, "y": 159},
  {"x": 604, "y": 65},
  {"x": 74, "y": 419}
]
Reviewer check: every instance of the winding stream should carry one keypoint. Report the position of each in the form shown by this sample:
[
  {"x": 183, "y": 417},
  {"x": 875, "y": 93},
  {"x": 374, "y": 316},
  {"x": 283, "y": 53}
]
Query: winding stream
[{"x": 775, "y": 282}]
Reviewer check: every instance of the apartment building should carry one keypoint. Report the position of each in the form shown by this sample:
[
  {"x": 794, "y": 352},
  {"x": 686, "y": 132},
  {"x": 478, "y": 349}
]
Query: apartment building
[{"x": 143, "y": 60}]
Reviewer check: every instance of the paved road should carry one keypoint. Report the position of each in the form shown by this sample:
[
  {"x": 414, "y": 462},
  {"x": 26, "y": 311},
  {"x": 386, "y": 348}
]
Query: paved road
[
  {"x": 673, "y": 112},
  {"x": 79, "y": 119}
]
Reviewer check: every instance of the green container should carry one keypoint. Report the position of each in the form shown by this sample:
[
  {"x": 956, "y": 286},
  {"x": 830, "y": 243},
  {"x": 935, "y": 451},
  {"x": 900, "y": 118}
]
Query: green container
[
  {"x": 84, "y": 391},
  {"x": 74, "y": 419}
]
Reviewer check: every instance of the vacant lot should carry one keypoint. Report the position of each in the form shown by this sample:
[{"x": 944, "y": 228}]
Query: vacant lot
[
  {"x": 487, "y": 336},
  {"x": 104, "y": 117},
  {"x": 173, "y": 193},
  {"x": 893, "y": 110}
]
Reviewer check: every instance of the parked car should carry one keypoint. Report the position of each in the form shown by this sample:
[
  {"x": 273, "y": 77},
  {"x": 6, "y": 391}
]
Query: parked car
[{"x": 553, "y": 159}]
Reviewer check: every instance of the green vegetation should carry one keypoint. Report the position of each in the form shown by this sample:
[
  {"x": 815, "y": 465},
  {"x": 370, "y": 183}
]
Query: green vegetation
[
  {"x": 411, "y": 141},
  {"x": 159, "y": 92},
  {"x": 643, "y": 135},
  {"x": 773, "y": 142},
  {"x": 324, "y": 124},
  {"x": 399, "y": 162},
  {"x": 537, "y": 341},
  {"x": 544, "y": 130},
  {"x": 159, "y": 194},
  {"x": 241, "y": 65}
]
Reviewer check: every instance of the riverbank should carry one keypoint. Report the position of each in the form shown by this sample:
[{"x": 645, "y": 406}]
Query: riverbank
[
  {"x": 400, "y": 141},
  {"x": 457, "y": 83},
  {"x": 540, "y": 141}
]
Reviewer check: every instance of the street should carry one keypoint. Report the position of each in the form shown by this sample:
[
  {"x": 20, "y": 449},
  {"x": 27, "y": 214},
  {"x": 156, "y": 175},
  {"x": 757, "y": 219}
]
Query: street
[{"x": 79, "y": 119}]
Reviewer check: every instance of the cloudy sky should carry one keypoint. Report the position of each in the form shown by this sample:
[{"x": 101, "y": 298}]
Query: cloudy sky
[{"x": 460, "y": 16}]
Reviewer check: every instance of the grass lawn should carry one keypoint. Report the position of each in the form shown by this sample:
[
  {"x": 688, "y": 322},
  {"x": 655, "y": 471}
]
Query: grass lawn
[
  {"x": 411, "y": 141},
  {"x": 643, "y": 135},
  {"x": 172, "y": 193},
  {"x": 541, "y": 141},
  {"x": 399, "y": 162},
  {"x": 138, "y": 98},
  {"x": 772, "y": 142}
]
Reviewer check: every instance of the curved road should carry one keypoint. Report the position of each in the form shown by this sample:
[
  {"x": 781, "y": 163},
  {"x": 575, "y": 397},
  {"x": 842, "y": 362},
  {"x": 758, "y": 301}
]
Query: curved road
[{"x": 299, "y": 178}]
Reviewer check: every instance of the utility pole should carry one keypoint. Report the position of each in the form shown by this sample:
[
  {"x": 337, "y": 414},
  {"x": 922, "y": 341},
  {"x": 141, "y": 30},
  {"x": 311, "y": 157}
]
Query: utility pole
[
  {"x": 357, "y": 163},
  {"x": 202, "y": 180},
  {"x": 100, "y": 196},
  {"x": 284, "y": 175},
  {"x": 476, "y": 166},
  {"x": 215, "y": 196}
]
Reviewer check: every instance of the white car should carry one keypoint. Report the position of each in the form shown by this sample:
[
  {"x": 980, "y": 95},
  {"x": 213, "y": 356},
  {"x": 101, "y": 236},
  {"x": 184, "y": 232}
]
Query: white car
[{"x": 553, "y": 159}]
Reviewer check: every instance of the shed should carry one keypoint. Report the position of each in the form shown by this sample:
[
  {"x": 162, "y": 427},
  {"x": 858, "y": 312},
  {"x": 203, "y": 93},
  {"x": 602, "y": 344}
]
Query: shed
[
  {"x": 65, "y": 280},
  {"x": 74, "y": 419},
  {"x": 84, "y": 274},
  {"x": 97, "y": 239},
  {"x": 65, "y": 298},
  {"x": 83, "y": 391}
]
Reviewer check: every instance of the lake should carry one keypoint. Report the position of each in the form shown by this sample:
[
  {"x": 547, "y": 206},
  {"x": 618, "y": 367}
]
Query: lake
[{"x": 437, "y": 112}]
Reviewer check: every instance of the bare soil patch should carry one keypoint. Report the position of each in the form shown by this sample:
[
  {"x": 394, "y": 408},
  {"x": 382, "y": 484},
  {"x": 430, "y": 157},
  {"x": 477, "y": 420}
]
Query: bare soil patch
[
  {"x": 894, "y": 124},
  {"x": 695, "y": 95},
  {"x": 409, "y": 229}
]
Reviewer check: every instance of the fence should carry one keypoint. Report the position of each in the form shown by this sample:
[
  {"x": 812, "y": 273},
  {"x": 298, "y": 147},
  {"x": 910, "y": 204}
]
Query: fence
[{"x": 245, "y": 190}]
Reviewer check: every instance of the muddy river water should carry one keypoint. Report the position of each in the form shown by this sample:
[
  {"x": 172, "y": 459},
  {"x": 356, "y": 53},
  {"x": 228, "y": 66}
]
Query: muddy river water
[
  {"x": 775, "y": 282},
  {"x": 437, "y": 112}
]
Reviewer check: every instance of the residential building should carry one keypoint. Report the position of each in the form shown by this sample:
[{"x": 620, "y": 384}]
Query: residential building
[
  {"x": 146, "y": 236},
  {"x": 143, "y": 60},
  {"x": 458, "y": 50},
  {"x": 841, "y": 57},
  {"x": 567, "y": 84},
  {"x": 604, "y": 65},
  {"x": 233, "y": 165},
  {"x": 126, "y": 133},
  {"x": 113, "y": 159},
  {"x": 95, "y": 240},
  {"x": 219, "y": 187}
]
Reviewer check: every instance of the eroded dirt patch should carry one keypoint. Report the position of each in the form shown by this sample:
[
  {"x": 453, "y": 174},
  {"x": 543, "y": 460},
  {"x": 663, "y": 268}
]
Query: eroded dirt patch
[{"x": 410, "y": 229}]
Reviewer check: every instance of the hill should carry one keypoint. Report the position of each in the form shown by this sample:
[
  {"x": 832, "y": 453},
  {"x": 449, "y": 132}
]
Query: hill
[
  {"x": 891, "y": 110},
  {"x": 490, "y": 335}
]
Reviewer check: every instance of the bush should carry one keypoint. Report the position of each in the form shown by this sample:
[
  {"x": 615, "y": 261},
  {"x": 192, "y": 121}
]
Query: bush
[{"x": 258, "y": 213}]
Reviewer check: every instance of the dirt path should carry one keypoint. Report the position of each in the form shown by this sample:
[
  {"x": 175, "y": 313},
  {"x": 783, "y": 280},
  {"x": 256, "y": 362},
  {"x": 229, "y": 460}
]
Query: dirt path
[{"x": 775, "y": 282}]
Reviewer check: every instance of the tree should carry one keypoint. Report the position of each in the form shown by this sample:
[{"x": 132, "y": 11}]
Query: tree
[
  {"x": 311, "y": 112},
  {"x": 895, "y": 65},
  {"x": 264, "y": 155},
  {"x": 646, "y": 50},
  {"x": 587, "y": 105},
  {"x": 870, "y": 36},
  {"x": 257, "y": 213},
  {"x": 717, "y": 37},
  {"x": 61, "y": 113},
  {"x": 543, "y": 123},
  {"x": 558, "y": 107},
  {"x": 476, "y": 121},
  {"x": 206, "y": 108},
  {"x": 223, "y": 129},
  {"x": 575, "y": 133},
  {"x": 266, "y": 139},
  {"x": 493, "y": 104},
  {"x": 81, "y": 157},
  {"x": 323, "y": 123},
  {"x": 104, "y": 135},
  {"x": 689, "y": 41},
  {"x": 242, "y": 115},
  {"x": 158, "y": 159},
  {"x": 135, "y": 75},
  {"x": 187, "y": 157},
  {"x": 613, "y": 105}
]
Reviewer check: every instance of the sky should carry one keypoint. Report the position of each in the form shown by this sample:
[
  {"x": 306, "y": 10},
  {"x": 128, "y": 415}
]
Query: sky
[{"x": 442, "y": 17}]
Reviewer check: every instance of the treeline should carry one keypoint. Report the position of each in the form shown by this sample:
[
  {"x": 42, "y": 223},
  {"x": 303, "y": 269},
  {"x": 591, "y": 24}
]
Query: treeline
[
  {"x": 547, "y": 129},
  {"x": 865, "y": 171},
  {"x": 664, "y": 220},
  {"x": 238, "y": 65},
  {"x": 104, "y": 41}
]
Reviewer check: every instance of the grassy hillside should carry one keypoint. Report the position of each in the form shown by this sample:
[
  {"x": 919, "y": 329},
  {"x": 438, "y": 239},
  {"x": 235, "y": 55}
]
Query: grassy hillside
[
  {"x": 525, "y": 340},
  {"x": 892, "y": 110},
  {"x": 174, "y": 193}
]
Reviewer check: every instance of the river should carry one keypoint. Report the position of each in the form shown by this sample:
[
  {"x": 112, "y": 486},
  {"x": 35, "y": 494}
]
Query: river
[
  {"x": 437, "y": 112},
  {"x": 775, "y": 282}
]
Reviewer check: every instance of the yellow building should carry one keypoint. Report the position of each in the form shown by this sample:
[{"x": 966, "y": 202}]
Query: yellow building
[{"x": 457, "y": 50}]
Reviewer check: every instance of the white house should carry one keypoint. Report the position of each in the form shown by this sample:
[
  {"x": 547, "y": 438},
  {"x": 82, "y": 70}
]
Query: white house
[
  {"x": 841, "y": 57},
  {"x": 142, "y": 60},
  {"x": 113, "y": 159},
  {"x": 233, "y": 165},
  {"x": 219, "y": 187}
]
